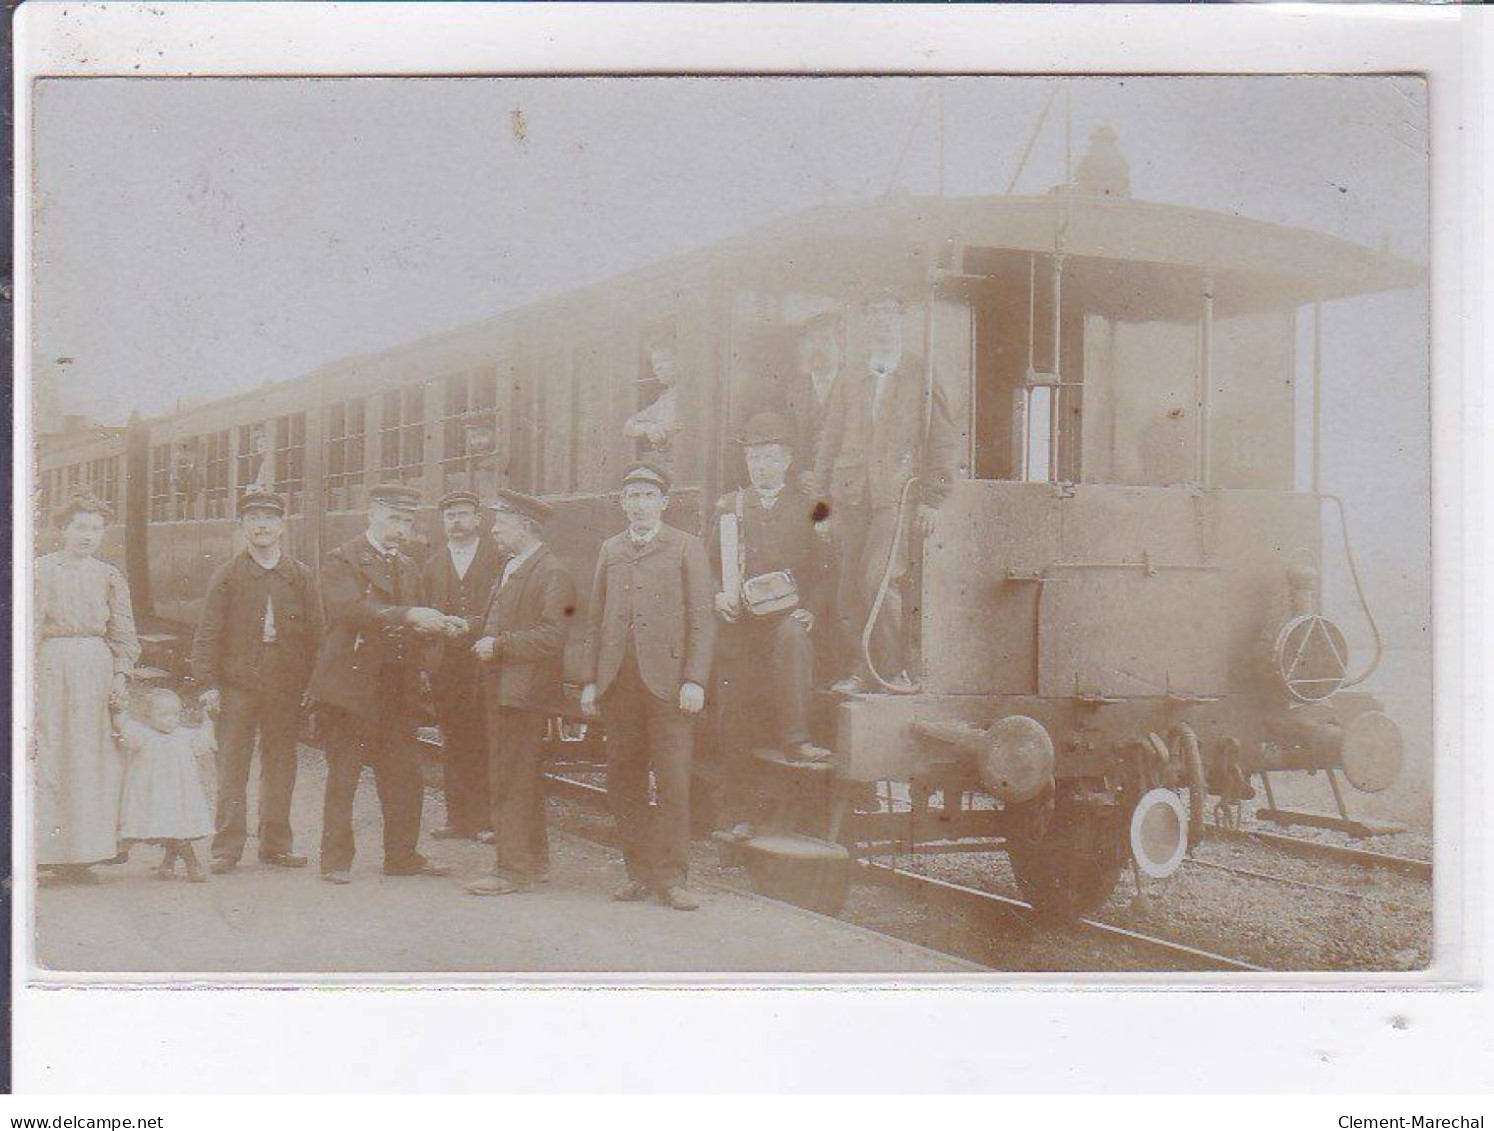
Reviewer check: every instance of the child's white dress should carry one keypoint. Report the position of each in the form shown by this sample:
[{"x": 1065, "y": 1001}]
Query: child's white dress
[{"x": 163, "y": 798}]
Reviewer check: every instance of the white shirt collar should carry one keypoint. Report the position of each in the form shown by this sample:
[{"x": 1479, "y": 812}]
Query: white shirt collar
[
  {"x": 372, "y": 542},
  {"x": 768, "y": 498},
  {"x": 462, "y": 556}
]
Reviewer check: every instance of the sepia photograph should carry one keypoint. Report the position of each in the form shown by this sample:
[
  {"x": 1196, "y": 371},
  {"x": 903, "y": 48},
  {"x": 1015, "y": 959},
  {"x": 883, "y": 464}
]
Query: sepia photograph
[{"x": 520, "y": 528}]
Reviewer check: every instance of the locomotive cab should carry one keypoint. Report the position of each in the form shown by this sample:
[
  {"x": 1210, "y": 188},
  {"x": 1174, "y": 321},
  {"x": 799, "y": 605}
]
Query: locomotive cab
[{"x": 1122, "y": 594}]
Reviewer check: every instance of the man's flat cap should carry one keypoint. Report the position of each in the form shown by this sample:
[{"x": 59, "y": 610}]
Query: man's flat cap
[
  {"x": 645, "y": 471},
  {"x": 397, "y": 496},
  {"x": 516, "y": 502},
  {"x": 452, "y": 498},
  {"x": 257, "y": 498},
  {"x": 767, "y": 428}
]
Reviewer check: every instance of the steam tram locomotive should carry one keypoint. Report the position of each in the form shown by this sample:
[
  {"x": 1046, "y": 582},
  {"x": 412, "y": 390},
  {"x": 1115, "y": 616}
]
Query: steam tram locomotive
[{"x": 1119, "y": 615}]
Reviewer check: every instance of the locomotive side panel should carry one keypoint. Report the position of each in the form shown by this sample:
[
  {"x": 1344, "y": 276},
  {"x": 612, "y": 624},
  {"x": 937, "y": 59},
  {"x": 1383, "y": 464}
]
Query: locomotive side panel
[{"x": 979, "y": 611}]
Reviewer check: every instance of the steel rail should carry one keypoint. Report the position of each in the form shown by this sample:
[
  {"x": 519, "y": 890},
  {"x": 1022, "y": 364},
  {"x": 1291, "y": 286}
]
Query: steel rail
[
  {"x": 886, "y": 873},
  {"x": 1287, "y": 881},
  {"x": 1313, "y": 849},
  {"x": 891, "y": 876}
]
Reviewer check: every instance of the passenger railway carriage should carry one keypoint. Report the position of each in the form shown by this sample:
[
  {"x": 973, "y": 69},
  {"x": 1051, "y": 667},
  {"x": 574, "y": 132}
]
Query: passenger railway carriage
[{"x": 1121, "y": 606}]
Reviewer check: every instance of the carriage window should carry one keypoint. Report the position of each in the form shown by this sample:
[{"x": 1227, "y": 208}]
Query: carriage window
[
  {"x": 553, "y": 413},
  {"x": 470, "y": 427},
  {"x": 290, "y": 460},
  {"x": 253, "y": 469},
  {"x": 160, "y": 482},
  {"x": 186, "y": 478},
  {"x": 218, "y": 454},
  {"x": 402, "y": 434},
  {"x": 346, "y": 432},
  {"x": 103, "y": 481}
]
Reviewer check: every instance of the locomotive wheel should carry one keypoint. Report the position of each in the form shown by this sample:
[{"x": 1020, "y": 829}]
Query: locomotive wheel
[{"x": 1071, "y": 868}]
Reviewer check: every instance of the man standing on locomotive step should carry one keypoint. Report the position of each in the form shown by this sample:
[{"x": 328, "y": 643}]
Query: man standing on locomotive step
[
  {"x": 648, "y": 658},
  {"x": 367, "y": 684},
  {"x": 882, "y": 428},
  {"x": 808, "y": 400},
  {"x": 457, "y": 582},
  {"x": 781, "y": 577},
  {"x": 252, "y": 655},
  {"x": 522, "y": 650}
]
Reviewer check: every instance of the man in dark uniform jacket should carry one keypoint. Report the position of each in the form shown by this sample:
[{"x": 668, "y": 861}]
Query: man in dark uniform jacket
[
  {"x": 881, "y": 431},
  {"x": 767, "y": 653},
  {"x": 366, "y": 684},
  {"x": 458, "y": 580},
  {"x": 522, "y": 648},
  {"x": 808, "y": 401},
  {"x": 648, "y": 659},
  {"x": 252, "y": 655}
]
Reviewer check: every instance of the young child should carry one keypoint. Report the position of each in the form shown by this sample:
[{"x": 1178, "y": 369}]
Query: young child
[{"x": 162, "y": 801}]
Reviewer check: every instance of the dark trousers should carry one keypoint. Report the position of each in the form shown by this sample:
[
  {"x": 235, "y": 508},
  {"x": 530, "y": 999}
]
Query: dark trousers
[
  {"x": 276, "y": 719},
  {"x": 516, "y": 750},
  {"x": 464, "y": 751},
  {"x": 864, "y": 536},
  {"x": 382, "y": 743},
  {"x": 770, "y": 678},
  {"x": 642, "y": 731}
]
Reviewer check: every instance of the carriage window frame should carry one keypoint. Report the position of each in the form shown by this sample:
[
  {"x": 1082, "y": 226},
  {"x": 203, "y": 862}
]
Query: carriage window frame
[
  {"x": 402, "y": 434},
  {"x": 160, "y": 482},
  {"x": 103, "y": 481},
  {"x": 217, "y": 462},
  {"x": 346, "y": 452},
  {"x": 289, "y": 455},
  {"x": 245, "y": 472},
  {"x": 184, "y": 478},
  {"x": 469, "y": 399}
]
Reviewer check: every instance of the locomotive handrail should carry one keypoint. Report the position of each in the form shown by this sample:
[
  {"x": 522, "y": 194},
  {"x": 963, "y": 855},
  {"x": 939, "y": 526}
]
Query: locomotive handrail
[{"x": 1374, "y": 664}]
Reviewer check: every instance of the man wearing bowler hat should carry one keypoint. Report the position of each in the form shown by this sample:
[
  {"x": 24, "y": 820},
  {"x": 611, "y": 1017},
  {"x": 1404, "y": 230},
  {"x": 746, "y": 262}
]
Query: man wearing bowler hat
[
  {"x": 771, "y": 596},
  {"x": 367, "y": 680},
  {"x": 521, "y": 650},
  {"x": 252, "y": 654},
  {"x": 457, "y": 582},
  {"x": 649, "y": 649}
]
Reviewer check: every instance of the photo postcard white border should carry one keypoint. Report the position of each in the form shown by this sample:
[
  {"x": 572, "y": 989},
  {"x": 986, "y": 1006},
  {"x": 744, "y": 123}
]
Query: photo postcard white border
[{"x": 73, "y": 1038}]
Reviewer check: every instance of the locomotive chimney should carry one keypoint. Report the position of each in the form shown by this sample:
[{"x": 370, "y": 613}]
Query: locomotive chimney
[{"x": 1103, "y": 170}]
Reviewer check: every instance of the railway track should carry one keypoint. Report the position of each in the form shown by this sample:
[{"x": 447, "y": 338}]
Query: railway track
[
  {"x": 1318, "y": 850},
  {"x": 954, "y": 893},
  {"x": 960, "y": 895},
  {"x": 1305, "y": 885}
]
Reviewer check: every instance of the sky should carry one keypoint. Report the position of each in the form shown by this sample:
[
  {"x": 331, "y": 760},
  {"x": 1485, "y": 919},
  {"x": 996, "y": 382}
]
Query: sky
[{"x": 199, "y": 237}]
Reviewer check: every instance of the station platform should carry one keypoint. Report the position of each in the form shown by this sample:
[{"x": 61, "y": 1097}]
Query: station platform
[{"x": 260, "y": 920}]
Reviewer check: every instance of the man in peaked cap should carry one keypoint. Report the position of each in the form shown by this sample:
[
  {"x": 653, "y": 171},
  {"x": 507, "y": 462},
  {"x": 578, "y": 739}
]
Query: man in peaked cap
[
  {"x": 522, "y": 648},
  {"x": 770, "y": 602},
  {"x": 457, "y": 582},
  {"x": 648, "y": 658},
  {"x": 366, "y": 683},
  {"x": 252, "y": 655}
]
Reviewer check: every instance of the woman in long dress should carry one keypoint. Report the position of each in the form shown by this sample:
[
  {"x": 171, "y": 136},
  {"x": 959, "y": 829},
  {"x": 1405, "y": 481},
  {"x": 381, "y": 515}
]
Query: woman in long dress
[{"x": 87, "y": 645}]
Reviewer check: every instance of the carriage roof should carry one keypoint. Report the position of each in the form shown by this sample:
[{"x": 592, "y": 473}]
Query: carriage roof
[{"x": 1129, "y": 259}]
